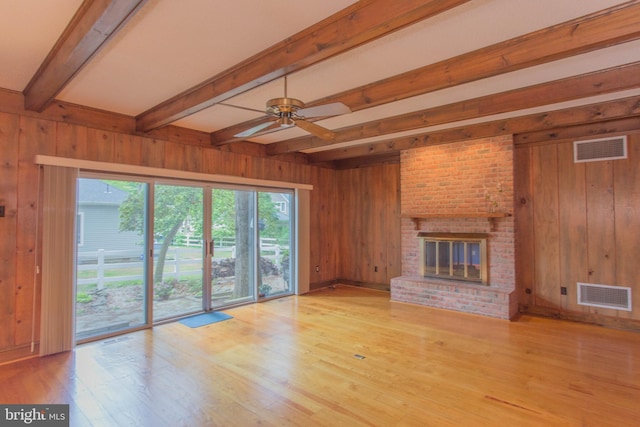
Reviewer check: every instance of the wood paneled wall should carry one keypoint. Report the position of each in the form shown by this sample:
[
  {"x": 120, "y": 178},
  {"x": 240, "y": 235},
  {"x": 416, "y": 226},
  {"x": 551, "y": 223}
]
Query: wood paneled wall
[
  {"x": 22, "y": 137},
  {"x": 324, "y": 245},
  {"x": 577, "y": 222},
  {"x": 369, "y": 228}
]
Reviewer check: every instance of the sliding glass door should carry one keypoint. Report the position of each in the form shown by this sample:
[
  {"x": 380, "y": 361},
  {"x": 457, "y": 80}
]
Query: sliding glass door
[
  {"x": 274, "y": 229},
  {"x": 111, "y": 284},
  {"x": 150, "y": 252},
  {"x": 233, "y": 237},
  {"x": 178, "y": 249}
]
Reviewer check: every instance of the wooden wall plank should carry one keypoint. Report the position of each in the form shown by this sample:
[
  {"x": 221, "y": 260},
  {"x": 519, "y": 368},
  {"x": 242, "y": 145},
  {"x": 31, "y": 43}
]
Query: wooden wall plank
[
  {"x": 71, "y": 141},
  {"x": 224, "y": 163},
  {"x": 572, "y": 205},
  {"x": 380, "y": 224},
  {"x": 329, "y": 222},
  {"x": 627, "y": 227},
  {"x": 352, "y": 234},
  {"x": 244, "y": 167},
  {"x": 9, "y": 130},
  {"x": 377, "y": 250},
  {"x": 100, "y": 145},
  {"x": 523, "y": 212},
  {"x": 127, "y": 149},
  {"x": 366, "y": 226},
  {"x": 343, "y": 238},
  {"x": 600, "y": 222},
  {"x": 193, "y": 158},
  {"x": 174, "y": 156},
  {"x": 322, "y": 245},
  {"x": 183, "y": 157},
  {"x": 601, "y": 247},
  {"x": 392, "y": 236},
  {"x": 545, "y": 223},
  {"x": 152, "y": 153}
]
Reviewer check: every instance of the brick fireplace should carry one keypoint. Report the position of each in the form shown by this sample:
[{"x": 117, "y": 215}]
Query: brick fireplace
[{"x": 463, "y": 188}]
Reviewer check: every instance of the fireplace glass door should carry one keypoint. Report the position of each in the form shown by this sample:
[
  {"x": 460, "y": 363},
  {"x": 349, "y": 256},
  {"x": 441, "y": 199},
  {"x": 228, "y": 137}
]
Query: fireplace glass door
[{"x": 454, "y": 258}]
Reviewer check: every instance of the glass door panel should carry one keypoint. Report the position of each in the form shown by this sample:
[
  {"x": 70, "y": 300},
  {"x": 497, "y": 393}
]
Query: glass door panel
[
  {"x": 110, "y": 272},
  {"x": 178, "y": 251},
  {"x": 233, "y": 237},
  {"x": 458, "y": 260},
  {"x": 274, "y": 228}
]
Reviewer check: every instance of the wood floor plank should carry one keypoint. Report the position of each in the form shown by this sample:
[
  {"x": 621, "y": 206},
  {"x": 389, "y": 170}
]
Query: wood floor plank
[{"x": 344, "y": 356}]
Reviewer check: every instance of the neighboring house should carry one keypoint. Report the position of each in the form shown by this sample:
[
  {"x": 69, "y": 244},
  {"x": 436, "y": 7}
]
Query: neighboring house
[
  {"x": 282, "y": 203},
  {"x": 98, "y": 221}
]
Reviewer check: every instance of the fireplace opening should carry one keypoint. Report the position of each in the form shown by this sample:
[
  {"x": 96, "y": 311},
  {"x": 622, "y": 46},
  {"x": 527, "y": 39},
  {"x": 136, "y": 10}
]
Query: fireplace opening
[{"x": 458, "y": 256}]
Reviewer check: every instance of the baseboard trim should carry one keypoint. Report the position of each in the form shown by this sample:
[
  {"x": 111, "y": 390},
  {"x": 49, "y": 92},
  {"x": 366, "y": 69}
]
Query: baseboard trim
[
  {"x": 19, "y": 353},
  {"x": 590, "y": 318},
  {"x": 377, "y": 286},
  {"x": 320, "y": 285},
  {"x": 386, "y": 287}
]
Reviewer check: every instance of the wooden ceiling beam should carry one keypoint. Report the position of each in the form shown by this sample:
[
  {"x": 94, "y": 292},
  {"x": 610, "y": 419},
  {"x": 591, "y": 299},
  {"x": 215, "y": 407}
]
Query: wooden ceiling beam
[
  {"x": 595, "y": 31},
  {"x": 567, "y": 89},
  {"x": 361, "y": 162},
  {"x": 95, "y": 22},
  {"x": 578, "y": 116},
  {"x": 623, "y": 125},
  {"x": 353, "y": 26}
]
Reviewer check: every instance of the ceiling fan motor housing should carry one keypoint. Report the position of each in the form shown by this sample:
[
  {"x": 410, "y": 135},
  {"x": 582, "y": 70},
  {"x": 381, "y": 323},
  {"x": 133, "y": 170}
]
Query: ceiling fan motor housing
[{"x": 278, "y": 106}]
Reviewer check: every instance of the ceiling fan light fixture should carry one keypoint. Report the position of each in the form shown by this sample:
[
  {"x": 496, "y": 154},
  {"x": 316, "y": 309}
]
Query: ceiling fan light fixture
[{"x": 286, "y": 121}]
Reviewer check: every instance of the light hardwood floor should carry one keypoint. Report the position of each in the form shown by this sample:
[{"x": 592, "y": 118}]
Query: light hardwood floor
[{"x": 293, "y": 361}]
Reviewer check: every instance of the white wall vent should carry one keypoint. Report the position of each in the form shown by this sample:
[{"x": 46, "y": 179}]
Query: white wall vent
[
  {"x": 594, "y": 150},
  {"x": 616, "y": 297}
]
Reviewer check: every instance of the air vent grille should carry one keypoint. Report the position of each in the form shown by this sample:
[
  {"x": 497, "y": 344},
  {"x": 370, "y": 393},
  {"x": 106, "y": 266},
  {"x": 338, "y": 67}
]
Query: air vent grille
[
  {"x": 615, "y": 297},
  {"x": 594, "y": 150}
]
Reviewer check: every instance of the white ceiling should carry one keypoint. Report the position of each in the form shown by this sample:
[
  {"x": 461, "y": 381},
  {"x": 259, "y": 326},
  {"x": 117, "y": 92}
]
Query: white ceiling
[{"x": 171, "y": 46}]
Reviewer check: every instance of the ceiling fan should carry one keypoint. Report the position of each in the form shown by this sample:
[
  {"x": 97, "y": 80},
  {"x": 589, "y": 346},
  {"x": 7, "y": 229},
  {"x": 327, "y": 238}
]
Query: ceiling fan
[{"x": 291, "y": 112}]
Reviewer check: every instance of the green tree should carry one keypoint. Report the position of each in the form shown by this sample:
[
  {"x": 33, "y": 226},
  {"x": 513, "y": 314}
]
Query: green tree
[
  {"x": 174, "y": 205},
  {"x": 223, "y": 213},
  {"x": 269, "y": 222},
  {"x": 243, "y": 235}
]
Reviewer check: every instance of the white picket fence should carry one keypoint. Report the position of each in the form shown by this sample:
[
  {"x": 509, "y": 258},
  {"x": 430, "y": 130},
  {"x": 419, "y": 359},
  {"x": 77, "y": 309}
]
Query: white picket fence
[{"x": 180, "y": 262}]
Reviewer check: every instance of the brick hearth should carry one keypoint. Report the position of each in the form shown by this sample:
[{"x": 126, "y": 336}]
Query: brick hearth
[{"x": 452, "y": 295}]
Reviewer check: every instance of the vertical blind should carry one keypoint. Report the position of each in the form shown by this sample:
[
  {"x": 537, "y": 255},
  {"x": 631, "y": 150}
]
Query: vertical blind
[{"x": 58, "y": 259}]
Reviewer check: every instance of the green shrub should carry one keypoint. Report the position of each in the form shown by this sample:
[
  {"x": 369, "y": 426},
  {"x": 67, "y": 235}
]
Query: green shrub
[
  {"x": 264, "y": 289},
  {"x": 162, "y": 291},
  {"x": 123, "y": 284},
  {"x": 82, "y": 297}
]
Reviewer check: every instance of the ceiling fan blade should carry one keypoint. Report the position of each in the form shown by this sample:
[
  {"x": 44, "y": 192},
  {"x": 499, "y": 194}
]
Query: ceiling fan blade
[
  {"x": 253, "y": 130},
  {"x": 241, "y": 108},
  {"x": 332, "y": 109},
  {"x": 315, "y": 129}
]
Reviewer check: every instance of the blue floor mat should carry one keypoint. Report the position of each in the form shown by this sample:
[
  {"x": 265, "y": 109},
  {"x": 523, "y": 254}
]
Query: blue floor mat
[{"x": 205, "y": 319}]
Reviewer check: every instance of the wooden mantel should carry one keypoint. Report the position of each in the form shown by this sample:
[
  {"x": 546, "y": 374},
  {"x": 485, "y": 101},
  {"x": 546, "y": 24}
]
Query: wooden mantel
[{"x": 417, "y": 218}]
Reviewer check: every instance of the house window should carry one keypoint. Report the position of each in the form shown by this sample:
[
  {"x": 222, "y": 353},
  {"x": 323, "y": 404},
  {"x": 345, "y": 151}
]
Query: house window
[
  {"x": 281, "y": 207},
  {"x": 80, "y": 229}
]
